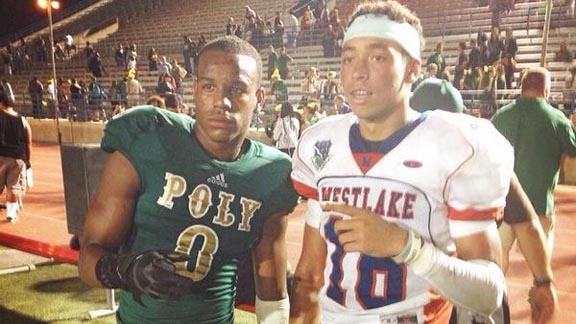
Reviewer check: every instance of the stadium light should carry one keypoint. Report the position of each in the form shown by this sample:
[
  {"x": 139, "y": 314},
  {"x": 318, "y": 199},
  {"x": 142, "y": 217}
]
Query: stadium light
[{"x": 48, "y": 5}]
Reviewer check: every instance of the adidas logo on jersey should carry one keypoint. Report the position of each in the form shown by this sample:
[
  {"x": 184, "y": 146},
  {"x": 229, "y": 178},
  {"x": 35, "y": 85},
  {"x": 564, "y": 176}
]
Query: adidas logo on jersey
[{"x": 218, "y": 180}]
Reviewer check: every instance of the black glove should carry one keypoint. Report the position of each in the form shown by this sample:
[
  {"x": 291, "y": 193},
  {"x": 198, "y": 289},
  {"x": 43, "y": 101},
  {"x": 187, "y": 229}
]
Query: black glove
[{"x": 150, "y": 272}]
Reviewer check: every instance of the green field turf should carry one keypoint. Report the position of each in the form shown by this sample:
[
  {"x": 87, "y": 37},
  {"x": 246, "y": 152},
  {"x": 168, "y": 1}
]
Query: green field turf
[{"x": 55, "y": 294}]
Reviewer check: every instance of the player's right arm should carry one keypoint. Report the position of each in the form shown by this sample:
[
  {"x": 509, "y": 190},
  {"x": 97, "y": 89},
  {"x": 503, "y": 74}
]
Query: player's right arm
[
  {"x": 109, "y": 219},
  {"x": 308, "y": 279}
]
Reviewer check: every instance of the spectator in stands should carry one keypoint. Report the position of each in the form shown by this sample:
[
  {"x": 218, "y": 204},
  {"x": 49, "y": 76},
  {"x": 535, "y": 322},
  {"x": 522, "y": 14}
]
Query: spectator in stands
[
  {"x": 282, "y": 63},
  {"x": 201, "y": 42},
  {"x": 337, "y": 23},
  {"x": 231, "y": 26},
  {"x": 96, "y": 66},
  {"x": 461, "y": 65},
  {"x": 306, "y": 24},
  {"x": 63, "y": 96},
  {"x": 495, "y": 46},
  {"x": 152, "y": 60},
  {"x": 278, "y": 30},
  {"x": 189, "y": 53},
  {"x": 279, "y": 89},
  {"x": 292, "y": 28},
  {"x": 15, "y": 152},
  {"x": 52, "y": 104},
  {"x": 114, "y": 96},
  {"x": 16, "y": 61},
  {"x": 178, "y": 73},
  {"x": 262, "y": 33},
  {"x": 78, "y": 108},
  {"x": 324, "y": 19},
  {"x": 540, "y": 135},
  {"x": 69, "y": 45},
  {"x": 119, "y": 56},
  {"x": 342, "y": 107},
  {"x": 164, "y": 67},
  {"x": 569, "y": 90},
  {"x": 166, "y": 84},
  {"x": 135, "y": 91},
  {"x": 564, "y": 54},
  {"x": 499, "y": 7},
  {"x": 36, "y": 91},
  {"x": 499, "y": 80},
  {"x": 287, "y": 129},
  {"x": 509, "y": 69},
  {"x": 438, "y": 59},
  {"x": 272, "y": 61},
  {"x": 132, "y": 58},
  {"x": 329, "y": 41},
  {"x": 487, "y": 84},
  {"x": 156, "y": 101},
  {"x": 431, "y": 71},
  {"x": 329, "y": 88},
  {"x": 96, "y": 100},
  {"x": 88, "y": 51},
  {"x": 41, "y": 50},
  {"x": 59, "y": 53},
  {"x": 510, "y": 44},
  {"x": 122, "y": 85},
  {"x": 310, "y": 86},
  {"x": 310, "y": 114},
  {"x": 248, "y": 15},
  {"x": 173, "y": 103},
  {"x": 483, "y": 48}
]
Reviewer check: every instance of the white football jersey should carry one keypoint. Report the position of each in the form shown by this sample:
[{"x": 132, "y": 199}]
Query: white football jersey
[{"x": 443, "y": 176}]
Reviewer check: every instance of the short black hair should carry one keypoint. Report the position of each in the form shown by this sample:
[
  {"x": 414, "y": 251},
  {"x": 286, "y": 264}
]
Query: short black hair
[{"x": 234, "y": 45}]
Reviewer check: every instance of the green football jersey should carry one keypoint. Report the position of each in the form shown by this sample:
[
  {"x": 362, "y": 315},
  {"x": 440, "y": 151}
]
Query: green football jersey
[{"x": 192, "y": 203}]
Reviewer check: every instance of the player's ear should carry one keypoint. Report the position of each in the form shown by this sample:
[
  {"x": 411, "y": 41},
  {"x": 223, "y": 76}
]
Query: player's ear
[
  {"x": 260, "y": 96},
  {"x": 412, "y": 70}
]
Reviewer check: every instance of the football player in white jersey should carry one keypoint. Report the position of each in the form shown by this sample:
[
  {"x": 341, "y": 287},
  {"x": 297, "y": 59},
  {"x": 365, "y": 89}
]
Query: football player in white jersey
[{"x": 395, "y": 195}]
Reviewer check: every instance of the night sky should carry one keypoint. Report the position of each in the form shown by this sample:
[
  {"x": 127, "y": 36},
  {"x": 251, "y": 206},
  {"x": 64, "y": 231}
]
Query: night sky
[{"x": 17, "y": 14}]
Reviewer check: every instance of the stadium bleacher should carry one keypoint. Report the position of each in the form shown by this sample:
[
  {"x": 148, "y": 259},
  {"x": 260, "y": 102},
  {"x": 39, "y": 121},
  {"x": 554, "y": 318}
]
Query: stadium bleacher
[{"x": 163, "y": 23}]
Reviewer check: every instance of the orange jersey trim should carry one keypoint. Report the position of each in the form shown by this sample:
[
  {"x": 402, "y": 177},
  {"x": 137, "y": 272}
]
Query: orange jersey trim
[
  {"x": 438, "y": 310},
  {"x": 475, "y": 215},
  {"x": 305, "y": 190}
]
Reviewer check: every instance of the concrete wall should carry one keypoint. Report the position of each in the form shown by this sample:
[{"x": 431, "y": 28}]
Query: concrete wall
[{"x": 44, "y": 130}]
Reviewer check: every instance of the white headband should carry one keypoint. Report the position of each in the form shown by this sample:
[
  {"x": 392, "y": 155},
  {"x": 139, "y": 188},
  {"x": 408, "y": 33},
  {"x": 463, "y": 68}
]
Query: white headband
[{"x": 382, "y": 26}]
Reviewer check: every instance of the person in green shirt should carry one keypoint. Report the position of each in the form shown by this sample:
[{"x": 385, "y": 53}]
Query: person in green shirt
[
  {"x": 182, "y": 203},
  {"x": 438, "y": 59},
  {"x": 540, "y": 135},
  {"x": 279, "y": 88},
  {"x": 283, "y": 60}
]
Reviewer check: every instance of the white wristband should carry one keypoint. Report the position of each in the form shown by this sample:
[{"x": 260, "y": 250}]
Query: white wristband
[
  {"x": 411, "y": 249},
  {"x": 272, "y": 312}
]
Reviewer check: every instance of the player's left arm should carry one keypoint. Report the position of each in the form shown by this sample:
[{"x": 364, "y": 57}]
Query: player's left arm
[{"x": 269, "y": 254}]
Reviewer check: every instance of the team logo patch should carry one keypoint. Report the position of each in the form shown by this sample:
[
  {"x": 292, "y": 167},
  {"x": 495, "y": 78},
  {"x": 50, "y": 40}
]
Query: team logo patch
[
  {"x": 218, "y": 180},
  {"x": 321, "y": 154}
]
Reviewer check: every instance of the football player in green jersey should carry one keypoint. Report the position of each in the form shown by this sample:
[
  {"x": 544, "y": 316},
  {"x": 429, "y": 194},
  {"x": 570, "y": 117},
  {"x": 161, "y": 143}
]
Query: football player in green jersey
[{"x": 182, "y": 202}]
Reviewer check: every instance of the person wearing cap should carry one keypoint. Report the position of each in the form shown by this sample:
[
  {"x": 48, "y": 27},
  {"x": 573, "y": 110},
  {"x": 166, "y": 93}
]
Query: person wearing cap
[
  {"x": 432, "y": 94},
  {"x": 520, "y": 217},
  {"x": 401, "y": 219}
]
